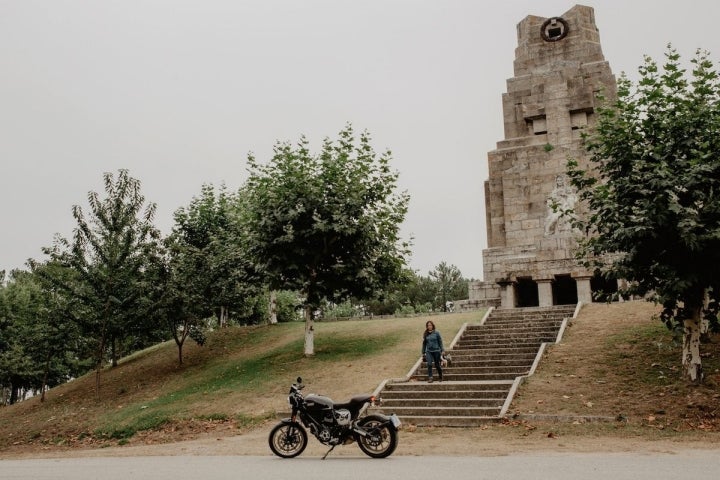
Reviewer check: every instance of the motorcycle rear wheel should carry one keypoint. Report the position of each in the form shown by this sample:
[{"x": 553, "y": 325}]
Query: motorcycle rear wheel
[
  {"x": 382, "y": 439},
  {"x": 287, "y": 440}
]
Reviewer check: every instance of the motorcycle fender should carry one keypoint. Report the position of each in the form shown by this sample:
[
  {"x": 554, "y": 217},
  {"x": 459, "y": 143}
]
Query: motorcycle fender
[
  {"x": 290, "y": 421},
  {"x": 392, "y": 421}
]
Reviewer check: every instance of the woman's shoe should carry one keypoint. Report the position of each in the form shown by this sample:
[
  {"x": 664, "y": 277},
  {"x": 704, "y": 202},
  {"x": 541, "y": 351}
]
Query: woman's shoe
[{"x": 430, "y": 380}]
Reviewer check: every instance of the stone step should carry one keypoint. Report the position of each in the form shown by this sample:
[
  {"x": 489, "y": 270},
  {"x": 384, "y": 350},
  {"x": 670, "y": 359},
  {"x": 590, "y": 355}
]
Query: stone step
[
  {"x": 407, "y": 395},
  {"x": 530, "y": 310},
  {"x": 479, "y": 354},
  {"x": 492, "y": 337},
  {"x": 487, "y": 361},
  {"x": 508, "y": 347},
  {"x": 443, "y": 403},
  {"x": 500, "y": 338},
  {"x": 514, "y": 329},
  {"x": 535, "y": 343},
  {"x": 511, "y": 328},
  {"x": 531, "y": 317},
  {"x": 515, "y": 332},
  {"x": 444, "y": 421},
  {"x": 517, "y": 323},
  {"x": 500, "y": 313},
  {"x": 490, "y": 350},
  {"x": 499, "y": 316},
  {"x": 471, "y": 377},
  {"x": 491, "y": 325},
  {"x": 402, "y": 411},
  {"x": 447, "y": 386},
  {"x": 483, "y": 368}
]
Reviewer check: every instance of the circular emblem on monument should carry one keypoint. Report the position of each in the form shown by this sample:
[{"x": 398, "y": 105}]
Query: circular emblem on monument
[{"x": 554, "y": 29}]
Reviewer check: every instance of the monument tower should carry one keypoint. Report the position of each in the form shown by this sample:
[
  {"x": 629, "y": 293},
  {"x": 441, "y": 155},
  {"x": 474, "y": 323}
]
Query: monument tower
[{"x": 559, "y": 69}]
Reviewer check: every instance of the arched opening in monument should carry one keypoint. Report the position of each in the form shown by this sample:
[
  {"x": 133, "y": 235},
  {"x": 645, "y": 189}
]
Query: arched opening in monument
[
  {"x": 526, "y": 293},
  {"x": 603, "y": 289},
  {"x": 564, "y": 290}
]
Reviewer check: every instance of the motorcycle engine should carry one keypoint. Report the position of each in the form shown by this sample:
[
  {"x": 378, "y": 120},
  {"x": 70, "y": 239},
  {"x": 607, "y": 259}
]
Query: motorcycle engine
[
  {"x": 328, "y": 434},
  {"x": 342, "y": 417},
  {"x": 324, "y": 435}
]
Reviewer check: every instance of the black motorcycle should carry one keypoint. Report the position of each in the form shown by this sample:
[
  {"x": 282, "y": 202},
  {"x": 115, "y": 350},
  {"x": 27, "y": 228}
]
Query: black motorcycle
[{"x": 333, "y": 424}]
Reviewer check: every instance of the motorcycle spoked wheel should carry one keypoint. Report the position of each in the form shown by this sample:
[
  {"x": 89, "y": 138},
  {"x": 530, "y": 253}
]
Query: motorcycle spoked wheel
[
  {"x": 382, "y": 439},
  {"x": 287, "y": 440}
]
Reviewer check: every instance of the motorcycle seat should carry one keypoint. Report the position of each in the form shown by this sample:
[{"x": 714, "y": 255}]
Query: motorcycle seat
[{"x": 355, "y": 403}]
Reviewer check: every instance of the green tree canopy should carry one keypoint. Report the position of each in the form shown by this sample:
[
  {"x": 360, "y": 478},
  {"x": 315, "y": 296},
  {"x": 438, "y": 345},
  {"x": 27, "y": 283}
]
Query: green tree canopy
[
  {"x": 206, "y": 267},
  {"x": 653, "y": 192},
  {"x": 38, "y": 347},
  {"x": 450, "y": 284},
  {"x": 208, "y": 247},
  {"x": 104, "y": 268},
  {"x": 326, "y": 225}
]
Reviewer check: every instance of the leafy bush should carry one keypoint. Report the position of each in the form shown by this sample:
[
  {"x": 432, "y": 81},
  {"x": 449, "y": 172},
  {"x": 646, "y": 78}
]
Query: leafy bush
[
  {"x": 288, "y": 306},
  {"x": 405, "y": 310},
  {"x": 343, "y": 310}
]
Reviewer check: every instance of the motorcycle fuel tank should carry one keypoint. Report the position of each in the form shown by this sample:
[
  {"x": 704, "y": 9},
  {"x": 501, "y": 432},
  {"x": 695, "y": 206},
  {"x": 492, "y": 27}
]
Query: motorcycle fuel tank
[{"x": 318, "y": 402}]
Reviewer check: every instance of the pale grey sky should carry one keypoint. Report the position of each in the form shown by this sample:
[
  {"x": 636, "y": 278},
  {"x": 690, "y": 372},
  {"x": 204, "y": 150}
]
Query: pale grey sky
[{"x": 179, "y": 92}]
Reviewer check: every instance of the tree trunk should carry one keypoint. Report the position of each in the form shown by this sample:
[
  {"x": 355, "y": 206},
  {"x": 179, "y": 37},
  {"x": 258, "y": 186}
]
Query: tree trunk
[
  {"x": 180, "y": 340},
  {"x": 273, "y": 308},
  {"x": 309, "y": 332},
  {"x": 101, "y": 348},
  {"x": 223, "y": 317},
  {"x": 46, "y": 373},
  {"x": 98, "y": 366},
  {"x": 114, "y": 354},
  {"x": 705, "y": 322},
  {"x": 14, "y": 393},
  {"x": 692, "y": 363}
]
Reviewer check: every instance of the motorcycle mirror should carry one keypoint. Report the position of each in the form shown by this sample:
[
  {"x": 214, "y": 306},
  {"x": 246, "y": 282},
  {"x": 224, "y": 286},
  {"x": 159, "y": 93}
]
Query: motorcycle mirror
[{"x": 299, "y": 380}]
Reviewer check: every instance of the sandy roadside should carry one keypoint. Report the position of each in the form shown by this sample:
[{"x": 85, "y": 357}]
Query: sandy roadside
[{"x": 439, "y": 441}]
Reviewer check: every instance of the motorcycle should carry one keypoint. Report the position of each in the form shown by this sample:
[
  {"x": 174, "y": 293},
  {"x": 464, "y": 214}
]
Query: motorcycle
[{"x": 333, "y": 424}]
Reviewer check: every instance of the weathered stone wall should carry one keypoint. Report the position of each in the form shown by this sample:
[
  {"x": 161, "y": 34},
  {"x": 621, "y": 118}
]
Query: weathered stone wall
[{"x": 559, "y": 72}]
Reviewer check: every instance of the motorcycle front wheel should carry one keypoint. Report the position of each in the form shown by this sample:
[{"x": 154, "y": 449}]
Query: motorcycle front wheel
[
  {"x": 382, "y": 438},
  {"x": 287, "y": 440}
]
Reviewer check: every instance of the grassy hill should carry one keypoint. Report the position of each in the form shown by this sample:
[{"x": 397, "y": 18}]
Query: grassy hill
[{"x": 615, "y": 360}]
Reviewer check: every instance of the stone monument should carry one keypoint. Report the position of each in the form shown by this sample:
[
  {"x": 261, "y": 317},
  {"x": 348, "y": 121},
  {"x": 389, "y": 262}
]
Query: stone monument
[{"x": 559, "y": 71}]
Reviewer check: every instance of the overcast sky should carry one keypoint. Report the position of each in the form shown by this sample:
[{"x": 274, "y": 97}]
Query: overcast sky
[{"x": 178, "y": 92}]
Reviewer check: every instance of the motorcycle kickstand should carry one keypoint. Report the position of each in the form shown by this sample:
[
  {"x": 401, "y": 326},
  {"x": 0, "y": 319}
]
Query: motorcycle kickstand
[{"x": 328, "y": 452}]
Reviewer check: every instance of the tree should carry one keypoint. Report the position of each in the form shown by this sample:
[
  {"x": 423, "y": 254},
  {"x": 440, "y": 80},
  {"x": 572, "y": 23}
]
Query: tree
[
  {"x": 180, "y": 308},
  {"x": 37, "y": 342},
  {"x": 652, "y": 191},
  {"x": 448, "y": 278},
  {"x": 207, "y": 233},
  {"x": 326, "y": 225},
  {"x": 108, "y": 259}
]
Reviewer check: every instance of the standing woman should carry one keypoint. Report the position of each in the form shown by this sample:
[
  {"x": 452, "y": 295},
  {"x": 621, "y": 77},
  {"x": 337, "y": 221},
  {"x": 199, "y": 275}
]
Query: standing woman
[{"x": 432, "y": 349}]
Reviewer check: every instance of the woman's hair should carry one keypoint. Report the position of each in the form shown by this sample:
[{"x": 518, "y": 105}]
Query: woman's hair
[{"x": 427, "y": 324}]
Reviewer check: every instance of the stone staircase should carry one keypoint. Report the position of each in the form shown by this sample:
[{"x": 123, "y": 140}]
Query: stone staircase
[{"x": 489, "y": 360}]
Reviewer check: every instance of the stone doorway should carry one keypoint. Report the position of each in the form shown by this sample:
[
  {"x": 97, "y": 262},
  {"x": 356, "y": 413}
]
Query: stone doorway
[
  {"x": 527, "y": 293},
  {"x": 564, "y": 290}
]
